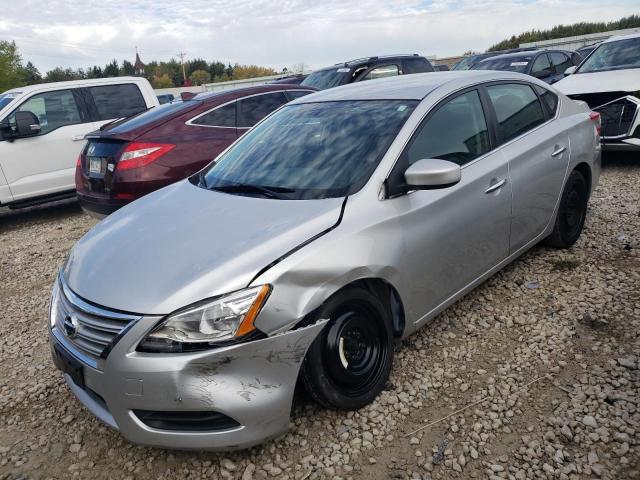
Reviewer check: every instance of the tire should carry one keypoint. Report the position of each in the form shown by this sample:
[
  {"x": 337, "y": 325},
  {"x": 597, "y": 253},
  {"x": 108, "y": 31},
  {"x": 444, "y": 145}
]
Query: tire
[
  {"x": 571, "y": 212},
  {"x": 349, "y": 362}
]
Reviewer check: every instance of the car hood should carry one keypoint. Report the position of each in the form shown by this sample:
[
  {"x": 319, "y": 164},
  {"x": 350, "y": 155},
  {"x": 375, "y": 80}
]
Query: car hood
[
  {"x": 612, "y": 81},
  {"x": 182, "y": 244}
]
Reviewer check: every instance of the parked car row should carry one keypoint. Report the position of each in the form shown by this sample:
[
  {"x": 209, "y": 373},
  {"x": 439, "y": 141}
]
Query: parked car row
[
  {"x": 605, "y": 75},
  {"x": 547, "y": 65},
  {"x": 131, "y": 158}
]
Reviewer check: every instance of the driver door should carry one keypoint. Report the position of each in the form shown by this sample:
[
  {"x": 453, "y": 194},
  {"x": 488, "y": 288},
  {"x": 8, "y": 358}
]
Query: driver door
[
  {"x": 454, "y": 235},
  {"x": 45, "y": 163}
]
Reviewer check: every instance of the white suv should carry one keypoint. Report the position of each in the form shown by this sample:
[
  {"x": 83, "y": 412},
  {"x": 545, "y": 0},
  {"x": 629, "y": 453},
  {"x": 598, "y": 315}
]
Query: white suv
[{"x": 42, "y": 129}]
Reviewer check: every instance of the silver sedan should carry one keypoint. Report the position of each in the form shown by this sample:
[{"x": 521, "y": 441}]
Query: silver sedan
[{"x": 338, "y": 225}]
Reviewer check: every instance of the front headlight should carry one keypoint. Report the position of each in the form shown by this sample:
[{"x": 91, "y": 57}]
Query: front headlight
[{"x": 208, "y": 323}]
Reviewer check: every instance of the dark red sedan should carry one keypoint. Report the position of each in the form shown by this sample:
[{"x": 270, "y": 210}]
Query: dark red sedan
[{"x": 129, "y": 158}]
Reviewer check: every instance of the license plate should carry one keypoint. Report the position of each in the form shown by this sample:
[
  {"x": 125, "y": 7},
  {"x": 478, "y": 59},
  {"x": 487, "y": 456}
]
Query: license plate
[
  {"x": 95, "y": 165},
  {"x": 70, "y": 366}
]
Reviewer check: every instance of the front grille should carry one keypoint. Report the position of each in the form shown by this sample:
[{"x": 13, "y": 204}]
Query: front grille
[
  {"x": 598, "y": 99},
  {"x": 617, "y": 117},
  {"x": 90, "y": 329}
]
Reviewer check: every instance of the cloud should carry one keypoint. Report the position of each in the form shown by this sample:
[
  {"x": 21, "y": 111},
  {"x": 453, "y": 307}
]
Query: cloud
[{"x": 79, "y": 34}]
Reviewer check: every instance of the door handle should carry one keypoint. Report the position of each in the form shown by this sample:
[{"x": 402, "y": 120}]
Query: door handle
[
  {"x": 558, "y": 151},
  {"x": 77, "y": 138},
  {"x": 496, "y": 186}
]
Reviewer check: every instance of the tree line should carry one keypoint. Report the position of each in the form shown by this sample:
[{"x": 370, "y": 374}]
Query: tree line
[
  {"x": 560, "y": 31},
  {"x": 15, "y": 73}
]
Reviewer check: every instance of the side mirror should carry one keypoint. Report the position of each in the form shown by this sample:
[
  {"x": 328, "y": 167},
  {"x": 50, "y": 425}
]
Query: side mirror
[
  {"x": 570, "y": 70},
  {"x": 27, "y": 124},
  {"x": 432, "y": 173}
]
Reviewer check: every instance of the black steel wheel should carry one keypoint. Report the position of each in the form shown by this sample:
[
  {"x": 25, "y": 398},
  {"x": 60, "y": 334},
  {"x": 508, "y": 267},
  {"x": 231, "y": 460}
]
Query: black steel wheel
[
  {"x": 349, "y": 362},
  {"x": 572, "y": 212}
]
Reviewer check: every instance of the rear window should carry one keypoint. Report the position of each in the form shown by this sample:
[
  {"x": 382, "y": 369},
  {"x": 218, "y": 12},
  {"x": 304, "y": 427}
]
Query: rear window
[
  {"x": 117, "y": 101},
  {"x": 549, "y": 99},
  {"x": 168, "y": 110}
]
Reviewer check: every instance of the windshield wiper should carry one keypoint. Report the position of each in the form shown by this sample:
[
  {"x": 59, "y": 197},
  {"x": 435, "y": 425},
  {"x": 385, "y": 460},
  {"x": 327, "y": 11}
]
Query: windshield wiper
[{"x": 268, "y": 192}]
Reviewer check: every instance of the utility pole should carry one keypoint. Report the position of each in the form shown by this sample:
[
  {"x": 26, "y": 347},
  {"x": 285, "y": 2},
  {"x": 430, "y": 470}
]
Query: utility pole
[{"x": 184, "y": 73}]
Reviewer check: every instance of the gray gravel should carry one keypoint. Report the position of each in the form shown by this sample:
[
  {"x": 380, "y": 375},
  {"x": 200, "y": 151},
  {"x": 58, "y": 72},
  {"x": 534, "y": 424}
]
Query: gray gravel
[{"x": 533, "y": 375}]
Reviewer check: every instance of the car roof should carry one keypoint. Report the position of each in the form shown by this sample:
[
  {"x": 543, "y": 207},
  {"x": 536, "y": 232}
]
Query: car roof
[
  {"x": 370, "y": 60},
  {"x": 621, "y": 37},
  {"x": 75, "y": 83},
  {"x": 408, "y": 87},
  {"x": 246, "y": 91}
]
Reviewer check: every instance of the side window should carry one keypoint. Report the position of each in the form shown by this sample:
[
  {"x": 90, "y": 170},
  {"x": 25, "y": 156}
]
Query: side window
[
  {"x": 560, "y": 61},
  {"x": 53, "y": 110},
  {"x": 416, "y": 65},
  {"x": 549, "y": 98},
  {"x": 457, "y": 132},
  {"x": 293, "y": 94},
  {"x": 253, "y": 109},
  {"x": 381, "y": 72},
  {"x": 220, "y": 117},
  {"x": 576, "y": 58},
  {"x": 541, "y": 66},
  {"x": 117, "y": 101},
  {"x": 517, "y": 108}
]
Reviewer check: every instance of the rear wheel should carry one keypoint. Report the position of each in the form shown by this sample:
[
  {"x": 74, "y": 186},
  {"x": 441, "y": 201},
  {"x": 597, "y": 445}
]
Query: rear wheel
[
  {"x": 571, "y": 212},
  {"x": 349, "y": 362}
]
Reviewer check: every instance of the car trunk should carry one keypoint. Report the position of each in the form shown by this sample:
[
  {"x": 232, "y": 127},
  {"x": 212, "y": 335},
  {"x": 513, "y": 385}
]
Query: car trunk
[
  {"x": 98, "y": 163},
  {"x": 100, "y": 157}
]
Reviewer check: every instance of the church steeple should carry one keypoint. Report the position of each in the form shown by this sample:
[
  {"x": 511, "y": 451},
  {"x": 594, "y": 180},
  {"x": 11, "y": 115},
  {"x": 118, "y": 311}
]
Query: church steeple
[{"x": 139, "y": 66}]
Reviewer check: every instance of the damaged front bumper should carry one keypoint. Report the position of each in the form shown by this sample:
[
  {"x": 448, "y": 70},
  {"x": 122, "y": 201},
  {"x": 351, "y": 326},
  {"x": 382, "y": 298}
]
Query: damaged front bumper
[
  {"x": 620, "y": 123},
  {"x": 227, "y": 398}
]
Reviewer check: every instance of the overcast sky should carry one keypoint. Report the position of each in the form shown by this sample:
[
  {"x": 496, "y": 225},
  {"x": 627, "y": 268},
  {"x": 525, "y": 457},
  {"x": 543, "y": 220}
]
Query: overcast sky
[{"x": 80, "y": 33}]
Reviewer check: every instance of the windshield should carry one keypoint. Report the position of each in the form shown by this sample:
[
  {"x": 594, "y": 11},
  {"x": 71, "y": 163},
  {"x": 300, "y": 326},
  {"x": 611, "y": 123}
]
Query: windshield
[
  {"x": 616, "y": 55},
  {"x": 508, "y": 64},
  {"x": 6, "y": 99},
  {"x": 468, "y": 62},
  {"x": 310, "y": 150},
  {"x": 331, "y": 77}
]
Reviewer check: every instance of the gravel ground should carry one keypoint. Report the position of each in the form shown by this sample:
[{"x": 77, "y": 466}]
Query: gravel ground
[{"x": 533, "y": 375}]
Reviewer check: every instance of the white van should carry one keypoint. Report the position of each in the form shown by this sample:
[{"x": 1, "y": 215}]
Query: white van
[{"x": 42, "y": 129}]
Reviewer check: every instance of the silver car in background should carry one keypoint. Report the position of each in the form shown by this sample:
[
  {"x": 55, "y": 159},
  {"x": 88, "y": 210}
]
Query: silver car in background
[{"x": 341, "y": 223}]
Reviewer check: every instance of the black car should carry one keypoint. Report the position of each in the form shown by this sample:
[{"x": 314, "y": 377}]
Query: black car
[
  {"x": 295, "y": 79},
  {"x": 368, "y": 68},
  {"x": 547, "y": 65}
]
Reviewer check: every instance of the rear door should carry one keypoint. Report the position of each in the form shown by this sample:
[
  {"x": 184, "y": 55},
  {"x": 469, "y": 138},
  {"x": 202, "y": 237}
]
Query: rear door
[
  {"x": 536, "y": 145},
  {"x": 45, "y": 163}
]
